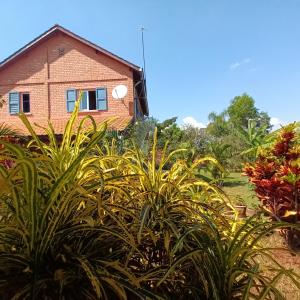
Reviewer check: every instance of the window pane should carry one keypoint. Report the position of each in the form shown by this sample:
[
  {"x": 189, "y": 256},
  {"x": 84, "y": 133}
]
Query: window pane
[
  {"x": 14, "y": 103},
  {"x": 71, "y": 95},
  {"x": 102, "y": 105},
  {"x": 71, "y": 98},
  {"x": 92, "y": 100},
  {"x": 26, "y": 103},
  {"x": 83, "y": 103},
  {"x": 70, "y": 106},
  {"x": 101, "y": 94}
]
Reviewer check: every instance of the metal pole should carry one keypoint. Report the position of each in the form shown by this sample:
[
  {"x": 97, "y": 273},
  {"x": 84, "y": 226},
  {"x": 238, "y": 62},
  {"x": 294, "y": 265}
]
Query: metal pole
[{"x": 143, "y": 45}]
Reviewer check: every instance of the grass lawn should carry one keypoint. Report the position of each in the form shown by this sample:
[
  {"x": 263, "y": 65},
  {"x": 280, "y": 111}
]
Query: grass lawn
[{"x": 240, "y": 190}]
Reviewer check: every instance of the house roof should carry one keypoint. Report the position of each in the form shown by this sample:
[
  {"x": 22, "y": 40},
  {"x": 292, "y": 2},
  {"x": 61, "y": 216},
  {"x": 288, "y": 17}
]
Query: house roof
[
  {"x": 57, "y": 28},
  {"x": 113, "y": 123},
  {"x": 138, "y": 71}
]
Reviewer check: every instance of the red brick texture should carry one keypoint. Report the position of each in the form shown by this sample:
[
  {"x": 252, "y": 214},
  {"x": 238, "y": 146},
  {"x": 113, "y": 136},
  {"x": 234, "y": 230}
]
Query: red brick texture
[{"x": 59, "y": 63}]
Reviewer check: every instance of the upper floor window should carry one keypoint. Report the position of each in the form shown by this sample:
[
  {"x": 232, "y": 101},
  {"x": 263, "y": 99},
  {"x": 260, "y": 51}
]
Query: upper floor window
[
  {"x": 25, "y": 100},
  {"x": 88, "y": 101},
  {"x": 19, "y": 102},
  {"x": 91, "y": 99}
]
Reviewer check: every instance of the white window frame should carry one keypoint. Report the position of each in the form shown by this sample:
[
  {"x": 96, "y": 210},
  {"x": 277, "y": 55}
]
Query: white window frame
[{"x": 88, "y": 100}]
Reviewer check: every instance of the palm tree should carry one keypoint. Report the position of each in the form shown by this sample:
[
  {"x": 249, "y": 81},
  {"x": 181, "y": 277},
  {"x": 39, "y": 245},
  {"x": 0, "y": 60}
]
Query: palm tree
[{"x": 221, "y": 152}]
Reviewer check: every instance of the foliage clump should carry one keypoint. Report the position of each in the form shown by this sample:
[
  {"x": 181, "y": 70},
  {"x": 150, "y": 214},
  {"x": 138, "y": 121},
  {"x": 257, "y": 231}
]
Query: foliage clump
[
  {"x": 79, "y": 220},
  {"x": 242, "y": 126},
  {"x": 276, "y": 177}
]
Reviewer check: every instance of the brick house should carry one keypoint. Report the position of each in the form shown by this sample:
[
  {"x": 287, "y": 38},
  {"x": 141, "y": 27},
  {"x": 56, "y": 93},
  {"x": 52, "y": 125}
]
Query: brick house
[{"x": 44, "y": 78}]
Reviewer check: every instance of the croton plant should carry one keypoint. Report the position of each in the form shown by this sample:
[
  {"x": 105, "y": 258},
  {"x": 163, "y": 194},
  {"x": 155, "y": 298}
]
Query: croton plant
[{"x": 276, "y": 177}]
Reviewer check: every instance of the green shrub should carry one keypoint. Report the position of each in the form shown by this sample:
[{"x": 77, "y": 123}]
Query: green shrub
[{"x": 82, "y": 221}]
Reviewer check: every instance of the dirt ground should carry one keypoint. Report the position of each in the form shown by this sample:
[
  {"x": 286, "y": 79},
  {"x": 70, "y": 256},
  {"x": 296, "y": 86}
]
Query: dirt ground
[{"x": 288, "y": 260}]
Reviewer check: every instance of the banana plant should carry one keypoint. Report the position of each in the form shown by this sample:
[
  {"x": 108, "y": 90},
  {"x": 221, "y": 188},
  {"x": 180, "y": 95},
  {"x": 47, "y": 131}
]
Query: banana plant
[{"x": 253, "y": 136}]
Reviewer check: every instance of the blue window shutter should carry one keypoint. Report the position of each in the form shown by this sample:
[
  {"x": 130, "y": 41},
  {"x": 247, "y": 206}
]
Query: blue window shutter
[
  {"x": 14, "y": 103},
  {"x": 83, "y": 103},
  {"x": 71, "y": 99},
  {"x": 101, "y": 97}
]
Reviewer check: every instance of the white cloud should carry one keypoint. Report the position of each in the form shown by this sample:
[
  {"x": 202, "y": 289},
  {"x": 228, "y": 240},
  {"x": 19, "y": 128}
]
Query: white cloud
[
  {"x": 276, "y": 123},
  {"x": 190, "y": 121},
  {"x": 239, "y": 63}
]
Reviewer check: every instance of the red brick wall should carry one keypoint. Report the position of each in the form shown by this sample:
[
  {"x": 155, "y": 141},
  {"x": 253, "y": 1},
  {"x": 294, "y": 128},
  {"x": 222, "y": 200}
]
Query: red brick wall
[{"x": 46, "y": 72}]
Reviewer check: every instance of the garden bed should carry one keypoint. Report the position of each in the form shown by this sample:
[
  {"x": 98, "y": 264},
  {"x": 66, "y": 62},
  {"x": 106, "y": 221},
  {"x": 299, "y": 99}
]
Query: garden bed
[
  {"x": 289, "y": 261},
  {"x": 237, "y": 187}
]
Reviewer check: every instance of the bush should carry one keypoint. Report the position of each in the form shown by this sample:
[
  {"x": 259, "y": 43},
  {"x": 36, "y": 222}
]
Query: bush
[
  {"x": 81, "y": 221},
  {"x": 276, "y": 176}
]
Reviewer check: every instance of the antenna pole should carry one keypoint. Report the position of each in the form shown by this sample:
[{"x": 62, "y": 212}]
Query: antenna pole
[
  {"x": 144, "y": 62},
  {"x": 143, "y": 46}
]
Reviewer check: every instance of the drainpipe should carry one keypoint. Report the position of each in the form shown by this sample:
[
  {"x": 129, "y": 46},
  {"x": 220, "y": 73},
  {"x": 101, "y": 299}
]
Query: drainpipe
[{"x": 48, "y": 85}]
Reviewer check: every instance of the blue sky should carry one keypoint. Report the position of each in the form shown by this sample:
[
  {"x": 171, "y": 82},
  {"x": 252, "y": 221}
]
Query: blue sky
[{"x": 199, "y": 54}]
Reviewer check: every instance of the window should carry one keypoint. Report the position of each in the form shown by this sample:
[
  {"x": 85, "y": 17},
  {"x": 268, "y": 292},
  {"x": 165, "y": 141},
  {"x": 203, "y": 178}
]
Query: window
[
  {"x": 25, "y": 98},
  {"x": 88, "y": 101},
  {"x": 18, "y": 102},
  {"x": 91, "y": 99}
]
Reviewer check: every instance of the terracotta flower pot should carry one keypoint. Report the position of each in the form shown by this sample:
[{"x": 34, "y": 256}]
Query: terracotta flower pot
[{"x": 242, "y": 210}]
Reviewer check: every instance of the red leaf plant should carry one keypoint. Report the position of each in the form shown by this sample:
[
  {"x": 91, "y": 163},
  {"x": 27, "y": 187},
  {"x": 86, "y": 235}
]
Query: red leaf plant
[{"x": 276, "y": 177}]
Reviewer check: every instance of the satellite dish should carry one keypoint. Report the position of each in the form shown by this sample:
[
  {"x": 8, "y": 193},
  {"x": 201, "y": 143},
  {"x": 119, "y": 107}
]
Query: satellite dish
[{"x": 119, "y": 92}]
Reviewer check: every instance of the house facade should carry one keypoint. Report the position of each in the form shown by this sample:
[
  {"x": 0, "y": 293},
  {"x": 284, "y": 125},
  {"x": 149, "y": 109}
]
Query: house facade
[{"x": 45, "y": 78}]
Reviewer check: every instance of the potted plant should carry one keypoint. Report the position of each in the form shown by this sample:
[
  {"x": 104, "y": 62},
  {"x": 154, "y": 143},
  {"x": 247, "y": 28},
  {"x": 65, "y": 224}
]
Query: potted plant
[{"x": 240, "y": 206}]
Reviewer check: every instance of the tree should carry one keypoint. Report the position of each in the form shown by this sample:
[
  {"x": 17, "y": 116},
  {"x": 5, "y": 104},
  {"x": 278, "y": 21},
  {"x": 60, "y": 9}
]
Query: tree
[
  {"x": 218, "y": 125},
  {"x": 196, "y": 138},
  {"x": 169, "y": 131},
  {"x": 241, "y": 125},
  {"x": 264, "y": 120},
  {"x": 241, "y": 109}
]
